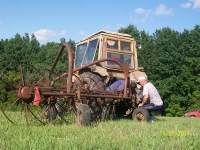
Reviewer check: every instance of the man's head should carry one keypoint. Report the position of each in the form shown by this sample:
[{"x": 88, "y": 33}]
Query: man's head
[{"x": 142, "y": 80}]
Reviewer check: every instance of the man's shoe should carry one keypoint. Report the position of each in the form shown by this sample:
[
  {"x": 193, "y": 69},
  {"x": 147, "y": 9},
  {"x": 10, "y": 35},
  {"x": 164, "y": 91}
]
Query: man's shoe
[{"x": 152, "y": 119}]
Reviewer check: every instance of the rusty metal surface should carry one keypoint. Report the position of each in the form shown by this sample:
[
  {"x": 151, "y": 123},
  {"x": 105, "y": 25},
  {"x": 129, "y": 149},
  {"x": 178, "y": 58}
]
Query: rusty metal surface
[
  {"x": 85, "y": 95},
  {"x": 96, "y": 62},
  {"x": 70, "y": 59},
  {"x": 24, "y": 92},
  {"x": 49, "y": 94}
]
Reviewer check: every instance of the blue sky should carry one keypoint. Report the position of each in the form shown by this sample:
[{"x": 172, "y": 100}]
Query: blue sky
[{"x": 51, "y": 20}]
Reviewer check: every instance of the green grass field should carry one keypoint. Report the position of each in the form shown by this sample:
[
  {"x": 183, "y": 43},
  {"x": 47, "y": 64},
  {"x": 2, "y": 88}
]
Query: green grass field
[{"x": 123, "y": 134}]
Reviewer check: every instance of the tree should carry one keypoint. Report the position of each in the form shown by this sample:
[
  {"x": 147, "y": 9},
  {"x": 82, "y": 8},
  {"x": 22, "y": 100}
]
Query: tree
[
  {"x": 132, "y": 30},
  {"x": 171, "y": 61},
  {"x": 15, "y": 51},
  {"x": 62, "y": 40}
]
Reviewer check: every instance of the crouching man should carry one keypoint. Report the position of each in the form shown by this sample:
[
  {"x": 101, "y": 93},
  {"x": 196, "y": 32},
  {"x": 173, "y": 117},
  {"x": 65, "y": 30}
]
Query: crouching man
[{"x": 151, "y": 93}]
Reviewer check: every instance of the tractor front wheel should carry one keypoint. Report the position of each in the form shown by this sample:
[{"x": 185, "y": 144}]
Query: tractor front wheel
[
  {"x": 84, "y": 117},
  {"x": 140, "y": 114}
]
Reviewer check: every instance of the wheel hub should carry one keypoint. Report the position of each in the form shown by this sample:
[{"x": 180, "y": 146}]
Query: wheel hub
[
  {"x": 24, "y": 92},
  {"x": 140, "y": 116}
]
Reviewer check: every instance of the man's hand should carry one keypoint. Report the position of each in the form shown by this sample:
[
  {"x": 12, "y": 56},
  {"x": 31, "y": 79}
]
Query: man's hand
[
  {"x": 144, "y": 100},
  {"x": 140, "y": 104}
]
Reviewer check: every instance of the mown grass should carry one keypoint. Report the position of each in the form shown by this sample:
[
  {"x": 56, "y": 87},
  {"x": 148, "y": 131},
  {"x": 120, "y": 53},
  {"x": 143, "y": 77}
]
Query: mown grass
[{"x": 167, "y": 133}]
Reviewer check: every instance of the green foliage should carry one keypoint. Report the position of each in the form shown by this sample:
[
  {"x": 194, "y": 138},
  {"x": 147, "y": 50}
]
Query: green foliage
[
  {"x": 26, "y": 50},
  {"x": 172, "y": 62},
  {"x": 194, "y": 102},
  {"x": 7, "y": 91},
  {"x": 132, "y": 30},
  {"x": 174, "y": 108}
]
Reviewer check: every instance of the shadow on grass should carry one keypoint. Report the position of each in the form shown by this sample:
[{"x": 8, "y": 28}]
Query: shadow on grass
[{"x": 160, "y": 119}]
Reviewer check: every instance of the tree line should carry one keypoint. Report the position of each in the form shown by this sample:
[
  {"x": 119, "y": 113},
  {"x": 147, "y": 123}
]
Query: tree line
[{"x": 171, "y": 60}]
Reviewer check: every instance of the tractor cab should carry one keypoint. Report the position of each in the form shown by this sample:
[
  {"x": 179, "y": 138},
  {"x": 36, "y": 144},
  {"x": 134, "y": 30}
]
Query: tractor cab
[{"x": 105, "y": 44}]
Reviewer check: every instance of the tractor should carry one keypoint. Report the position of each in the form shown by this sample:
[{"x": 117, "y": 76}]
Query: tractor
[{"x": 79, "y": 94}]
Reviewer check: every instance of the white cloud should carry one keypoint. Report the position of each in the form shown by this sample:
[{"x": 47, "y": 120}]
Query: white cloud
[
  {"x": 140, "y": 11},
  {"x": 64, "y": 32},
  {"x": 81, "y": 32},
  {"x": 43, "y": 35},
  {"x": 186, "y": 5},
  {"x": 196, "y": 4},
  {"x": 136, "y": 20},
  {"x": 161, "y": 10},
  {"x": 143, "y": 15}
]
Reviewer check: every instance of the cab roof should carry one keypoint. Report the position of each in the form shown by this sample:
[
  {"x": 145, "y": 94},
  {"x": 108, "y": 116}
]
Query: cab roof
[{"x": 108, "y": 33}]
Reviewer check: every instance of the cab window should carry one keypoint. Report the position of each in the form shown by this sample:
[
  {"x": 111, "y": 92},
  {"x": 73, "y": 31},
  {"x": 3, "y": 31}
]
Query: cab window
[
  {"x": 80, "y": 51},
  {"x": 124, "y": 59},
  {"x": 112, "y": 44},
  {"x": 90, "y": 52},
  {"x": 125, "y": 46}
]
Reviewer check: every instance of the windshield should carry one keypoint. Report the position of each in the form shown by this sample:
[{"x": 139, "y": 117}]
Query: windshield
[
  {"x": 89, "y": 54},
  {"x": 125, "y": 59},
  {"x": 80, "y": 51}
]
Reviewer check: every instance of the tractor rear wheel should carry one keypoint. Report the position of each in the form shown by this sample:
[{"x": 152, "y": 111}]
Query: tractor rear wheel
[
  {"x": 84, "y": 116},
  {"x": 91, "y": 80},
  {"x": 140, "y": 114}
]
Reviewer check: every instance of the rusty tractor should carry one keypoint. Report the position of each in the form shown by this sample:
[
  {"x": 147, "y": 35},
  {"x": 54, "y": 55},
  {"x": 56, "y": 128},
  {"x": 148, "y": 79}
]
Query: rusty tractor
[{"x": 78, "y": 95}]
